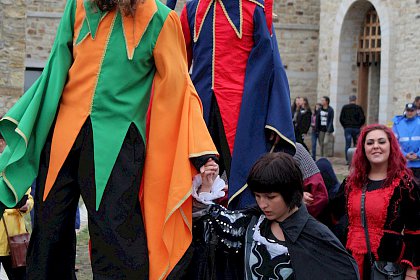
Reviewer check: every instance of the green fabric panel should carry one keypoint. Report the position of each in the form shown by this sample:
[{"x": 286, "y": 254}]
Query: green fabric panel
[
  {"x": 84, "y": 31},
  {"x": 93, "y": 16},
  {"x": 122, "y": 95},
  {"x": 35, "y": 112}
]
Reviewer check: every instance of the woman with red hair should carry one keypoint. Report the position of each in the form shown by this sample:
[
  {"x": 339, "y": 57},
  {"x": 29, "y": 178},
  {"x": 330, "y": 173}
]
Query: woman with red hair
[{"x": 379, "y": 179}]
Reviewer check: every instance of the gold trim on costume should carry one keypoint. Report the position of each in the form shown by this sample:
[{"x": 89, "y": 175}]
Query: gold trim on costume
[
  {"x": 184, "y": 217},
  {"x": 11, "y": 119},
  {"x": 196, "y": 35},
  {"x": 281, "y": 135},
  {"x": 18, "y": 131},
  {"x": 257, "y": 3},
  {"x": 203, "y": 154},
  {"x": 164, "y": 273},
  {"x": 237, "y": 193},
  {"x": 9, "y": 185},
  {"x": 177, "y": 206},
  {"x": 186, "y": 196},
  {"x": 238, "y": 32},
  {"x": 75, "y": 42},
  {"x": 131, "y": 55},
  {"x": 102, "y": 61}
]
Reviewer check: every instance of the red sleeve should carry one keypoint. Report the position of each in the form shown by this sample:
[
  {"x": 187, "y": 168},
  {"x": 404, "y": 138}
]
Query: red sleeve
[
  {"x": 315, "y": 185},
  {"x": 187, "y": 34}
]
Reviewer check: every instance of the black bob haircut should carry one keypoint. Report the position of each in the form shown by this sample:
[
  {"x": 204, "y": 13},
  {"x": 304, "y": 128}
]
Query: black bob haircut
[{"x": 279, "y": 173}]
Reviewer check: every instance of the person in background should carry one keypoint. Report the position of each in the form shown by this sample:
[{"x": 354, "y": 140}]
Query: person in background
[
  {"x": 325, "y": 122},
  {"x": 407, "y": 131},
  {"x": 315, "y": 195},
  {"x": 303, "y": 121},
  {"x": 276, "y": 240},
  {"x": 352, "y": 118},
  {"x": 392, "y": 203},
  {"x": 314, "y": 132},
  {"x": 338, "y": 227},
  {"x": 297, "y": 103},
  {"x": 14, "y": 220},
  {"x": 417, "y": 102}
]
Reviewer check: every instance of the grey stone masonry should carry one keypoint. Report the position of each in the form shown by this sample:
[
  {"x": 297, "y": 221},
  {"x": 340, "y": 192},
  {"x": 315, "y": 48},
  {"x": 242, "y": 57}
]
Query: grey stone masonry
[{"x": 12, "y": 51}]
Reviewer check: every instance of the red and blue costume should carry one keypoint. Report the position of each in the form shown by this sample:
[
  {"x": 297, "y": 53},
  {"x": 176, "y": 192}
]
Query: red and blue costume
[{"x": 239, "y": 76}]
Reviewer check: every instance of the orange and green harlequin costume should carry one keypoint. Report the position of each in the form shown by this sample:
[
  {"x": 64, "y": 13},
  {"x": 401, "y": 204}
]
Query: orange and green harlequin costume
[{"x": 117, "y": 71}]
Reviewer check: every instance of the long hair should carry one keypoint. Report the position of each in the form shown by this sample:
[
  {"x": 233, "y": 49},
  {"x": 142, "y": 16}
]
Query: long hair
[
  {"x": 360, "y": 167},
  {"x": 306, "y": 105},
  {"x": 127, "y": 7},
  {"x": 294, "y": 105}
]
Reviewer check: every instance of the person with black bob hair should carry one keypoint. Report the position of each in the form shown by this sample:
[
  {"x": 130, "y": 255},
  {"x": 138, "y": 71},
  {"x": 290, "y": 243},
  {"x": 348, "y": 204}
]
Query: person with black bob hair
[{"x": 276, "y": 240}]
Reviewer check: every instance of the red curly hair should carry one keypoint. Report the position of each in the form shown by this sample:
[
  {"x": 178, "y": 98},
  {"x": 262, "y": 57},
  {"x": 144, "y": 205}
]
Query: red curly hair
[{"x": 360, "y": 167}]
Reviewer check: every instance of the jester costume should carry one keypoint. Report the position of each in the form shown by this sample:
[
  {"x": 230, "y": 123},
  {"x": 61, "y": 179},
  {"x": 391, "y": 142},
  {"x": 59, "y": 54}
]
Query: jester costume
[
  {"x": 239, "y": 76},
  {"x": 94, "y": 125}
]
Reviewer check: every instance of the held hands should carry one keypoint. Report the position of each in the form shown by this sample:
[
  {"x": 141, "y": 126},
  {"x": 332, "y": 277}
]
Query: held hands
[
  {"x": 308, "y": 198},
  {"x": 411, "y": 274},
  {"x": 209, "y": 172}
]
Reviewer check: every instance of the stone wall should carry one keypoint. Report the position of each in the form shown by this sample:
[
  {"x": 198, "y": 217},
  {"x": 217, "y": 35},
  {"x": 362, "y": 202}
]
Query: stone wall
[
  {"x": 400, "y": 59},
  {"x": 406, "y": 53},
  {"x": 12, "y": 51},
  {"x": 43, "y": 17},
  {"x": 297, "y": 29}
]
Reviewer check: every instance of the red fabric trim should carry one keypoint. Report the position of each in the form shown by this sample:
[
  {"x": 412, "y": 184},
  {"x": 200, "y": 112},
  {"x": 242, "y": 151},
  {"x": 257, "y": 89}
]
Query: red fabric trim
[
  {"x": 268, "y": 7},
  {"x": 187, "y": 34},
  {"x": 377, "y": 203},
  {"x": 230, "y": 60},
  {"x": 392, "y": 232},
  {"x": 402, "y": 253},
  {"x": 413, "y": 232},
  {"x": 411, "y": 264}
]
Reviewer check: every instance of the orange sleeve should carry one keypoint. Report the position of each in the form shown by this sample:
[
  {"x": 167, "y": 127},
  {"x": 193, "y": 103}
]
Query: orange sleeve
[{"x": 177, "y": 131}]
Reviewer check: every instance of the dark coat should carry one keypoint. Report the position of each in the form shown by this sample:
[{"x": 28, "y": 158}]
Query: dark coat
[
  {"x": 330, "y": 119},
  {"x": 352, "y": 116},
  {"x": 315, "y": 252},
  {"x": 303, "y": 122}
]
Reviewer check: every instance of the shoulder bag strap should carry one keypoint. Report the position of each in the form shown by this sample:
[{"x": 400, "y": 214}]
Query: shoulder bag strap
[{"x": 364, "y": 224}]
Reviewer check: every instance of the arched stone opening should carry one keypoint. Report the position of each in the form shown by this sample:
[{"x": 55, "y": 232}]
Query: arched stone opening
[{"x": 369, "y": 82}]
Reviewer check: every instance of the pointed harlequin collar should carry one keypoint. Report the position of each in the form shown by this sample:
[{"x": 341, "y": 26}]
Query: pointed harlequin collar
[
  {"x": 232, "y": 9},
  {"x": 134, "y": 27}
]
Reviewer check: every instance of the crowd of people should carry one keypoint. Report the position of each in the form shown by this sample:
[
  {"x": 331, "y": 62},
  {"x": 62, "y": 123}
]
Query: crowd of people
[
  {"x": 321, "y": 122},
  {"x": 187, "y": 173}
]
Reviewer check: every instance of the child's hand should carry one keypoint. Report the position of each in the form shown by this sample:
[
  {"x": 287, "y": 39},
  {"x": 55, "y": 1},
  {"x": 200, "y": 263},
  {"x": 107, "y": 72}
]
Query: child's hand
[{"x": 209, "y": 172}]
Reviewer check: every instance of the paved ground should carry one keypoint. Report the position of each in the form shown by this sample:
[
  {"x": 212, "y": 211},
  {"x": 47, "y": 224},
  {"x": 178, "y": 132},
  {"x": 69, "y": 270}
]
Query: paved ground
[{"x": 82, "y": 258}]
